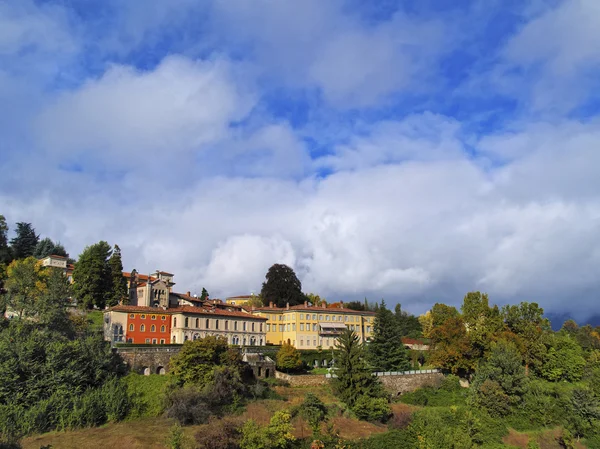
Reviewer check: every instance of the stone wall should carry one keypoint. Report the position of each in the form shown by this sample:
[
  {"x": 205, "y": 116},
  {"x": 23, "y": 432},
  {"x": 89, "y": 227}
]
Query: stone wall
[
  {"x": 396, "y": 384},
  {"x": 151, "y": 360}
]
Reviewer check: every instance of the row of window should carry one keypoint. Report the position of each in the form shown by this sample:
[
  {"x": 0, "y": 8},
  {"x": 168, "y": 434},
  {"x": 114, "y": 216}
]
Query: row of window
[
  {"x": 143, "y": 328},
  {"x": 292, "y": 327},
  {"x": 321, "y": 317},
  {"x": 207, "y": 325},
  {"x": 143, "y": 317}
]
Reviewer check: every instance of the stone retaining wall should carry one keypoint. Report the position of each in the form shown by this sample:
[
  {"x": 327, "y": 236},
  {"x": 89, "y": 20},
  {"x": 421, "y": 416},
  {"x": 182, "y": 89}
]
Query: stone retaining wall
[
  {"x": 302, "y": 380},
  {"x": 154, "y": 360}
]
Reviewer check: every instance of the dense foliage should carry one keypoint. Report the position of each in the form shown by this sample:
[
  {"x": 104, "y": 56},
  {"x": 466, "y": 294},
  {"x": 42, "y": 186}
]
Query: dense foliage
[
  {"x": 288, "y": 358},
  {"x": 386, "y": 350},
  {"x": 281, "y": 287}
]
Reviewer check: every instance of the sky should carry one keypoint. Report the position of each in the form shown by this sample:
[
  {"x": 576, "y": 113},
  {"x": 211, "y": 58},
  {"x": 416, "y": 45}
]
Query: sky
[{"x": 407, "y": 150}]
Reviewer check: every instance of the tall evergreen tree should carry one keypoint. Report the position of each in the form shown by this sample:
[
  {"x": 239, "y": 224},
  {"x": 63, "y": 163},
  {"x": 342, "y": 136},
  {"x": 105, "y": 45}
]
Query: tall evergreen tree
[
  {"x": 353, "y": 376},
  {"x": 92, "y": 279},
  {"x": 386, "y": 351},
  {"x": 282, "y": 287},
  {"x": 5, "y": 255},
  {"x": 119, "y": 283},
  {"x": 46, "y": 247},
  {"x": 24, "y": 243},
  {"x": 409, "y": 325},
  {"x": 204, "y": 294}
]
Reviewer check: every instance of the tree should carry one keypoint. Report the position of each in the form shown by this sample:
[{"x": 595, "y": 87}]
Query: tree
[
  {"x": 25, "y": 284},
  {"x": 24, "y": 243},
  {"x": 527, "y": 321},
  {"x": 355, "y": 305},
  {"x": 316, "y": 300},
  {"x": 451, "y": 347},
  {"x": 194, "y": 364},
  {"x": 204, "y": 294},
  {"x": 46, "y": 247},
  {"x": 426, "y": 321},
  {"x": 353, "y": 376},
  {"x": 313, "y": 411},
  {"x": 408, "y": 325},
  {"x": 255, "y": 301},
  {"x": 386, "y": 350},
  {"x": 92, "y": 277},
  {"x": 288, "y": 358},
  {"x": 441, "y": 312},
  {"x": 119, "y": 283},
  {"x": 282, "y": 287},
  {"x": 277, "y": 435},
  {"x": 5, "y": 254},
  {"x": 483, "y": 322},
  {"x": 563, "y": 360},
  {"x": 53, "y": 302}
]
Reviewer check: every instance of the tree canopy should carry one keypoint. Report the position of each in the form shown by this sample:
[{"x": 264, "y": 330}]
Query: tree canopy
[
  {"x": 119, "y": 283},
  {"x": 46, "y": 247},
  {"x": 92, "y": 276},
  {"x": 24, "y": 243},
  {"x": 386, "y": 350},
  {"x": 282, "y": 286}
]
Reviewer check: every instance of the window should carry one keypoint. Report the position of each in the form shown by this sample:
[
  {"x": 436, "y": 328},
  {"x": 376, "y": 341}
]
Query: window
[
  {"x": 301, "y": 342},
  {"x": 174, "y": 340},
  {"x": 131, "y": 327},
  {"x": 301, "y": 326},
  {"x": 143, "y": 317},
  {"x": 130, "y": 340},
  {"x": 281, "y": 328},
  {"x": 216, "y": 324},
  {"x": 314, "y": 342},
  {"x": 147, "y": 340},
  {"x": 326, "y": 317},
  {"x": 268, "y": 327},
  {"x": 153, "y": 328},
  {"x": 174, "y": 322},
  {"x": 314, "y": 327},
  {"x": 197, "y": 323},
  {"x": 340, "y": 318},
  {"x": 235, "y": 325},
  {"x": 314, "y": 316},
  {"x": 162, "y": 328},
  {"x": 187, "y": 322},
  {"x": 301, "y": 316},
  {"x": 244, "y": 326},
  {"x": 294, "y": 326},
  {"x": 368, "y": 328},
  {"x": 185, "y": 338},
  {"x": 261, "y": 327},
  {"x": 307, "y": 326},
  {"x": 346, "y": 318},
  {"x": 154, "y": 341},
  {"x": 153, "y": 317},
  {"x": 162, "y": 341},
  {"x": 307, "y": 342},
  {"x": 207, "y": 323},
  {"x": 252, "y": 327},
  {"x": 280, "y": 317},
  {"x": 142, "y": 328},
  {"x": 131, "y": 315},
  {"x": 320, "y": 317},
  {"x": 163, "y": 318},
  {"x": 227, "y": 325}
]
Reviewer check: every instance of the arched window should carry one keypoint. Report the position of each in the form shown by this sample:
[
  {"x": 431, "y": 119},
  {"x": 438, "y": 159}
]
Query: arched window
[
  {"x": 187, "y": 322},
  {"x": 162, "y": 328},
  {"x": 153, "y": 328},
  {"x": 142, "y": 328},
  {"x": 244, "y": 341},
  {"x": 207, "y": 323},
  {"x": 253, "y": 341},
  {"x": 173, "y": 339},
  {"x": 185, "y": 338},
  {"x": 197, "y": 323},
  {"x": 131, "y": 327}
]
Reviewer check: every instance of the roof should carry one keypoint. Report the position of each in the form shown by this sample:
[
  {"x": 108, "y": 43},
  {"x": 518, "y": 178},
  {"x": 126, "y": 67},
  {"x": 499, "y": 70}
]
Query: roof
[
  {"x": 187, "y": 297},
  {"x": 186, "y": 310},
  {"x": 54, "y": 256},
  {"x": 314, "y": 309},
  {"x": 141, "y": 277},
  {"x": 241, "y": 296},
  {"x": 164, "y": 272}
]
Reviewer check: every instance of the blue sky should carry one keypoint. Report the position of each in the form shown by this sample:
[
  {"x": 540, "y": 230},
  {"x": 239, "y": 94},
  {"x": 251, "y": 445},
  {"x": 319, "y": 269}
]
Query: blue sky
[{"x": 410, "y": 150}]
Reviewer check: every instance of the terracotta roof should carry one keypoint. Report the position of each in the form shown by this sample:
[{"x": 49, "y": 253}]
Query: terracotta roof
[
  {"x": 185, "y": 309},
  {"x": 315, "y": 309},
  {"x": 55, "y": 256},
  {"x": 141, "y": 277},
  {"x": 241, "y": 296},
  {"x": 142, "y": 284},
  {"x": 164, "y": 272},
  {"x": 187, "y": 297}
]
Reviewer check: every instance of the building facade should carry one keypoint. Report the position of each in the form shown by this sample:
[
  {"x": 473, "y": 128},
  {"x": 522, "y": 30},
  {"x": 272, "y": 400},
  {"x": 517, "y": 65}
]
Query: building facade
[{"x": 312, "y": 327}]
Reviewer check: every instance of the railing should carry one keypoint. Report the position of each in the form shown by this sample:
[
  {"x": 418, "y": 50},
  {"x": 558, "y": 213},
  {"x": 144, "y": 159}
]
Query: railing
[{"x": 397, "y": 373}]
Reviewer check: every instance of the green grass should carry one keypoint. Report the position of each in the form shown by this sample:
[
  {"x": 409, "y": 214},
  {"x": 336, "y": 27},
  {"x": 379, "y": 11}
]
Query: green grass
[
  {"x": 149, "y": 394},
  {"x": 95, "y": 318},
  {"x": 319, "y": 371}
]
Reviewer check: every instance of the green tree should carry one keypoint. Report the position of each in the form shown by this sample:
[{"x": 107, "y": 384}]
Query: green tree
[
  {"x": 24, "y": 243},
  {"x": 52, "y": 304},
  {"x": 353, "y": 375},
  {"x": 316, "y": 300},
  {"x": 441, "y": 312},
  {"x": 5, "y": 254},
  {"x": 501, "y": 382},
  {"x": 282, "y": 287},
  {"x": 288, "y": 358},
  {"x": 277, "y": 435},
  {"x": 25, "y": 284},
  {"x": 408, "y": 325},
  {"x": 204, "y": 295},
  {"x": 355, "y": 305},
  {"x": 314, "y": 412},
  {"x": 92, "y": 277},
  {"x": 451, "y": 347},
  {"x": 195, "y": 362},
  {"x": 483, "y": 323},
  {"x": 563, "y": 360},
  {"x": 46, "y": 247},
  {"x": 119, "y": 283},
  {"x": 527, "y": 321},
  {"x": 386, "y": 350}
]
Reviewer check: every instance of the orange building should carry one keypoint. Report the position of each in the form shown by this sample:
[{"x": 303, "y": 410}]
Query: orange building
[{"x": 134, "y": 324}]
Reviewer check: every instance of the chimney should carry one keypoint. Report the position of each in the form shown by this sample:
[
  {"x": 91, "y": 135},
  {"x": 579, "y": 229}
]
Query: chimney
[
  {"x": 271, "y": 304},
  {"x": 305, "y": 303},
  {"x": 189, "y": 294},
  {"x": 324, "y": 305},
  {"x": 287, "y": 305}
]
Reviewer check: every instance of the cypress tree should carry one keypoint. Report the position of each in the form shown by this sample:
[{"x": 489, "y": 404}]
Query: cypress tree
[
  {"x": 92, "y": 280},
  {"x": 24, "y": 243},
  {"x": 204, "y": 294},
  {"x": 119, "y": 283},
  {"x": 5, "y": 255},
  {"x": 386, "y": 350},
  {"x": 354, "y": 378}
]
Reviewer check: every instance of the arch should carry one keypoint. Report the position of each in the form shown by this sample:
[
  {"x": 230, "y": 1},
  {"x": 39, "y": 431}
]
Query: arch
[
  {"x": 162, "y": 328},
  {"x": 131, "y": 328},
  {"x": 153, "y": 328},
  {"x": 244, "y": 341},
  {"x": 267, "y": 372},
  {"x": 196, "y": 336},
  {"x": 146, "y": 370},
  {"x": 261, "y": 342},
  {"x": 253, "y": 341},
  {"x": 174, "y": 339},
  {"x": 160, "y": 370},
  {"x": 142, "y": 328},
  {"x": 259, "y": 371},
  {"x": 185, "y": 338},
  {"x": 289, "y": 341}
]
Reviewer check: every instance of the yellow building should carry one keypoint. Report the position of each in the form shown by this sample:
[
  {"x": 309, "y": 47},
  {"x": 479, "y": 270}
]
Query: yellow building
[
  {"x": 239, "y": 300},
  {"x": 311, "y": 327}
]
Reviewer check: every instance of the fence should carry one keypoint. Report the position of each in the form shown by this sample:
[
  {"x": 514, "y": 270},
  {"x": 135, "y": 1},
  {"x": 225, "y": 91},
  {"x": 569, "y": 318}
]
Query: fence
[{"x": 397, "y": 373}]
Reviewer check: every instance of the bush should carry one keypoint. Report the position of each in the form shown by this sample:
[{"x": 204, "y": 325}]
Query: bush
[
  {"x": 147, "y": 394},
  {"x": 188, "y": 406},
  {"x": 177, "y": 439},
  {"x": 313, "y": 411},
  {"x": 372, "y": 409},
  {"x": 400, "y": 420},
  {"x": 220, "y": 434},
  {"x": 392, "y": 439}
]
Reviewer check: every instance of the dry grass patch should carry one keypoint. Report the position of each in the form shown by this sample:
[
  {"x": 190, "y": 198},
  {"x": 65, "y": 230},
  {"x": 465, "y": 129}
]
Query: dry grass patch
[{"x": 353, "y": 429}]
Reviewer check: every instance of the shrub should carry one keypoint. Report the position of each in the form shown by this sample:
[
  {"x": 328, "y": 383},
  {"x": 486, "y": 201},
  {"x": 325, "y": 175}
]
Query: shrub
[
  {"x": 176, "y": 438},
  {"x": 392, "y": 439},
  {"x": 220, "y": 434},
  {"x": 277, "y": 435},
  {"x": 400, "y": 420},
  {"x": 188, "y": 406},
  {"x": 147, "y": 394},
  {"x": 372, "y": 409}
]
